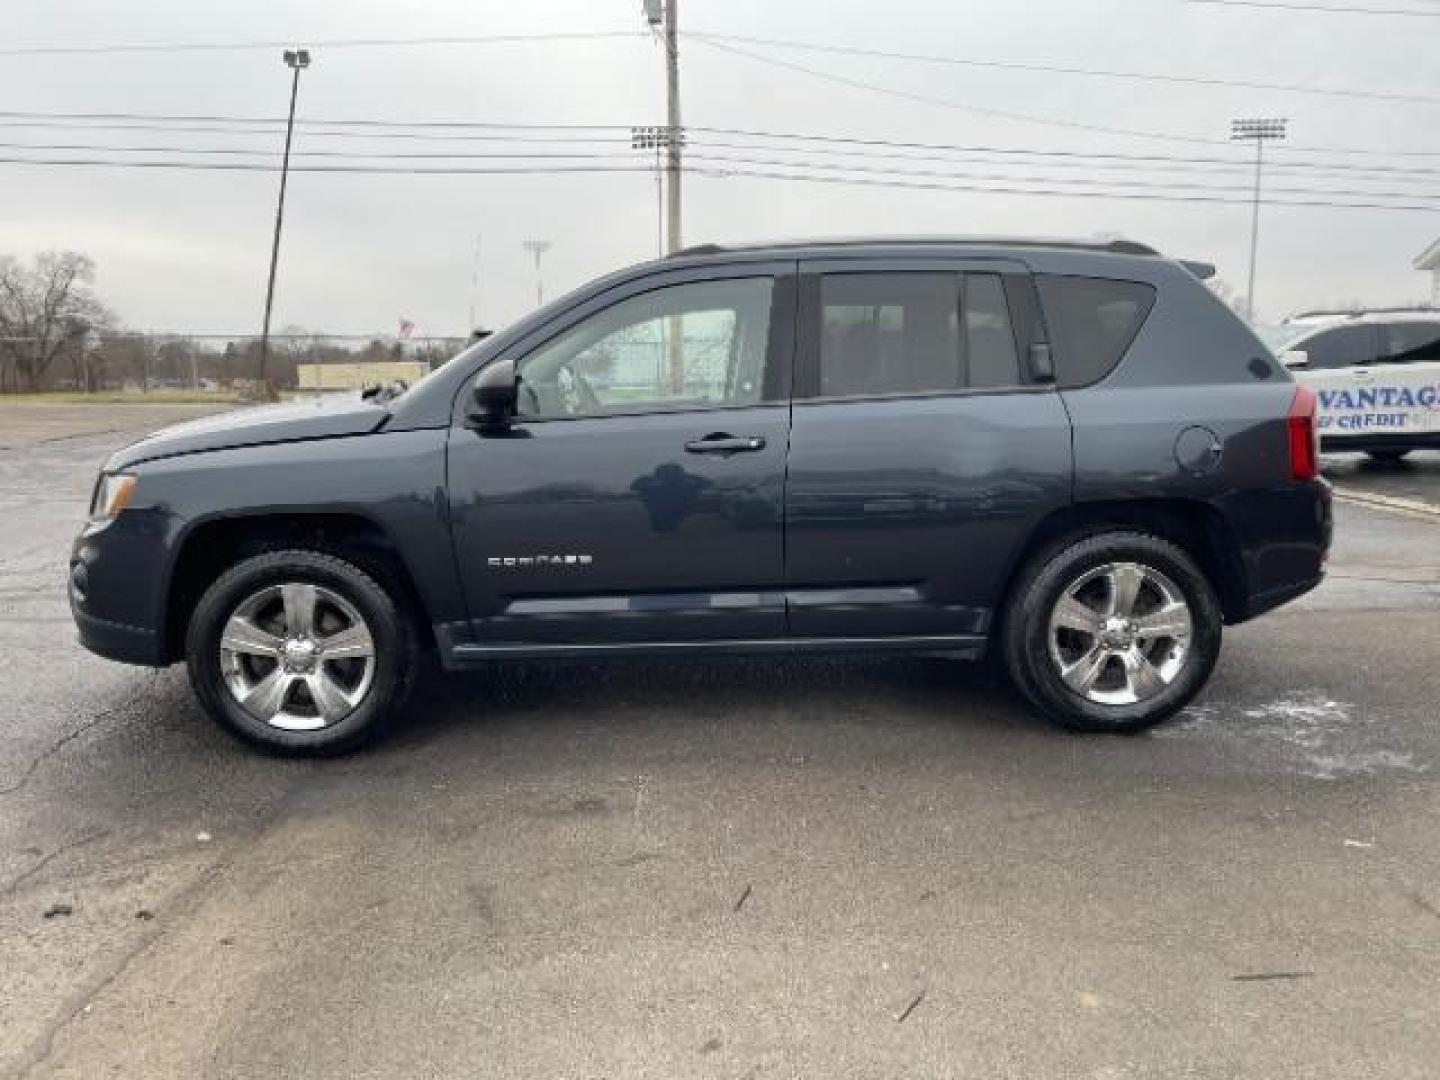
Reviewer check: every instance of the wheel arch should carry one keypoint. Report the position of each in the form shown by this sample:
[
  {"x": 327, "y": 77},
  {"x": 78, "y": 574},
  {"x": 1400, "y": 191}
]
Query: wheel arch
[
  {"x": 1195, "y": 526},
  {"x": 212, "y": 545}
]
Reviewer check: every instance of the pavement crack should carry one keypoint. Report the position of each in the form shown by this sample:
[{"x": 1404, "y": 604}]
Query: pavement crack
[
  {"x": 184, "y": 904},
  {"x": 46, "y": 860},
  {"x": 76, "y": 732},
  {"x": 1422, "y": 904}
]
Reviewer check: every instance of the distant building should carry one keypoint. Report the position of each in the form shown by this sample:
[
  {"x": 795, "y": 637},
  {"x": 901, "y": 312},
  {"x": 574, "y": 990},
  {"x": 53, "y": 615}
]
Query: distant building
[
  {"x": 329, "y": 378},
  {"x": 1429, "y": 260}
]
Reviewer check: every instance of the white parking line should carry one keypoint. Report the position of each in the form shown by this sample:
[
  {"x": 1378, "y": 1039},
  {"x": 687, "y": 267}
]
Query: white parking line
[{"x": 1389, "y": 502}]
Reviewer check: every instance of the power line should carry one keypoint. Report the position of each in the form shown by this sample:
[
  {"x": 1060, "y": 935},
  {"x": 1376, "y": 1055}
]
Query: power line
[
  {"x": 202, "y": 129},
  {"x": 923, "y": 186},
  {"x": 600, "y": 35},
  {"x": 245, "y": 151},
  {"x": 365, "y": 122},
  {"x": 1080, "y": 181},
  {"x": 1217, "y": 168},
  {"x": 840, "y": 174},
  {"x": 1287, "y": 5},
  {"x": 1082, "y": 160},
  {"x": 862, "y": 141},
  {"x": 946, "y": 103},
  {"x": 249, "y": 166},
  {"x": 327, "y": 43},
  {"x": 1053, "y": 69},
  {"x": 483, "y": 130}
]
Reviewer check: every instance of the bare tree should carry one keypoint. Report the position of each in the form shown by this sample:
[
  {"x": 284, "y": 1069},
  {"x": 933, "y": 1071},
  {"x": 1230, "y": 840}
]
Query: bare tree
[{"x": 43, "y": 308}]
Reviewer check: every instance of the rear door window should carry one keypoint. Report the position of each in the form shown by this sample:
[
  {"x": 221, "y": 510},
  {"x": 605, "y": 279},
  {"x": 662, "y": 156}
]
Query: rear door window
[
  {"x": 918, "y": 332},
  {"x": 1411, "y": 343},
  {"x": 1092, "y": 322}
]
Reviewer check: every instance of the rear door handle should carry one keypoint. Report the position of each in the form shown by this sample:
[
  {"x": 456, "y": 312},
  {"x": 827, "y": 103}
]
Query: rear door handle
[{"x": 722, "y": 442}]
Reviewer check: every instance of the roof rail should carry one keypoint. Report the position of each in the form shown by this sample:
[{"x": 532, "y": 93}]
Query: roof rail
[
  {"x": 1355, "y": 313},
  {"x": 1117, "y": 246}
]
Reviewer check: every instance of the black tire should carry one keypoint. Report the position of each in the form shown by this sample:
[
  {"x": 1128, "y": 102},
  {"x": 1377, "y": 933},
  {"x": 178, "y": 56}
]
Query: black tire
[
  {"x": 391, "y": 631},
  {"x": 1025, "y": 629},
  {"x": 1388, "y": 457}
]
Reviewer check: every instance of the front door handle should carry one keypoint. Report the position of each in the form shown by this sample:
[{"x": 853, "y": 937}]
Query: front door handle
[{"x": 722, "y": 442}]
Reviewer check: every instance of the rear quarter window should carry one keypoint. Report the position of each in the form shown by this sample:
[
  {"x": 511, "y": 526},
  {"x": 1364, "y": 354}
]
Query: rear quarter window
[{"x": 1091, "y": 322}]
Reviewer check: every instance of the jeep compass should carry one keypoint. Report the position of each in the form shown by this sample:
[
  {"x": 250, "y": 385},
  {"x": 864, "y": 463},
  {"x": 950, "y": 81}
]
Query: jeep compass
[{"x": 1069, "y": 455}]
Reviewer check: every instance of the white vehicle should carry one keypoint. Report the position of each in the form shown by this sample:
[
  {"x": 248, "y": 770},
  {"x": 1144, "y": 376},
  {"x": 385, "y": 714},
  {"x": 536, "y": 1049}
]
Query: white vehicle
[{"x": 1377, "y": 375}]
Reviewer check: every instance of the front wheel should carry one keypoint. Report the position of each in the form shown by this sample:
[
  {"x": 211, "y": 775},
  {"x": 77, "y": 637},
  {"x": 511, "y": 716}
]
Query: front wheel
[
  {"x": 1113, "y": 632},
  {"x": 300, "y": 652}
]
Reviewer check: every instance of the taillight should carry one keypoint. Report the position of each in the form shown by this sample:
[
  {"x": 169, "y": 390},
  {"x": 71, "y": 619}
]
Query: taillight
[{"x": 1304, "y": 437}]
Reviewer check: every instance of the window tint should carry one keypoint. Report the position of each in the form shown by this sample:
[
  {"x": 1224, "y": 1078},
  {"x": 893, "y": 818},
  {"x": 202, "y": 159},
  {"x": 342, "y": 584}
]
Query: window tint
[
  {"x": 889, "y": 333},
  {"x": 991, "y": 358},
  {"x": 1342, "y": 346},
  {"x": 1092, "y": 321},
  {"x": 900, "y": 333},
  {"x": 1411, "y": 342},
  {"x": 682, "y": 347}
]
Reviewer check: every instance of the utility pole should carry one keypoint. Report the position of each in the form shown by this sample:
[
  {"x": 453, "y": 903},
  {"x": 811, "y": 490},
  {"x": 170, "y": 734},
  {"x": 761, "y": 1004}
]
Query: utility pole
[
  {"x": 538, "y": 248},
  {"x": 664, "y": 18},
  {"x": 297, "y": 60},
  {"x": 1256, "y": 131},
  {"x": 672, "y": 121}
]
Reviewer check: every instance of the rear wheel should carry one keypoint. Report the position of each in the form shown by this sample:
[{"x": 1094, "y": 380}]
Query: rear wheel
[
  {"x": 1112, "y": 632},
  {"x": 1389, "y": 457},
  {"x": 300, "y": 652}
]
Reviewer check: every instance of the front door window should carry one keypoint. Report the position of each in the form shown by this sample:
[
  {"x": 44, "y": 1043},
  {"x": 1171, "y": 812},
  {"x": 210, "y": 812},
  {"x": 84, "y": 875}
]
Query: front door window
[{"x": 684, "y": 347}]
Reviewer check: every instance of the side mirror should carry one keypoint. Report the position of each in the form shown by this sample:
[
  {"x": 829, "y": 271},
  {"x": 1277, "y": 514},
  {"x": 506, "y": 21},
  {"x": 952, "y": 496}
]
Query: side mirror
[
  {"x": 493, "y": 398},
  {"x": 1293, "y": 358}
]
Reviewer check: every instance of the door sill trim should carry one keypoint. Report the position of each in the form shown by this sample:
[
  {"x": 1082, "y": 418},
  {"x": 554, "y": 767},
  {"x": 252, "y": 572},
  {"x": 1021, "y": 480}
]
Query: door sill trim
[{"x": 965, "y": 646}]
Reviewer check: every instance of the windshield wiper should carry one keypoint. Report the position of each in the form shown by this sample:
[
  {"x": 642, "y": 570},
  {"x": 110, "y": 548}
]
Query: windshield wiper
[{"x": 382, "y": 393}]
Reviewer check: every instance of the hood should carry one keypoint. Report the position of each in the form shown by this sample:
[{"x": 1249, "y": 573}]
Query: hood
[{"x": 311, "y": 418}]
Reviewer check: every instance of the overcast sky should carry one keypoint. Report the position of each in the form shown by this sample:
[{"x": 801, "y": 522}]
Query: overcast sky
[{"x": 188, "y": 249}]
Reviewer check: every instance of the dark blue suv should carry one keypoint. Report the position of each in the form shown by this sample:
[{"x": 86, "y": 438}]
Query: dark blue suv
[{"x": 1069, "y": 454}]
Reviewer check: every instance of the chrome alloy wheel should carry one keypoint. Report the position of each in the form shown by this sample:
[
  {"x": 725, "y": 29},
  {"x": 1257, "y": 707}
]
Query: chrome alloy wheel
[
  {"x": 1120, "y": 633},
  {"x": 297, "y": 656}
]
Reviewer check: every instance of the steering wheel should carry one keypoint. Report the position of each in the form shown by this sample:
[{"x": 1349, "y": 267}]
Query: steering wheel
[{"x": 576, "y": 395}]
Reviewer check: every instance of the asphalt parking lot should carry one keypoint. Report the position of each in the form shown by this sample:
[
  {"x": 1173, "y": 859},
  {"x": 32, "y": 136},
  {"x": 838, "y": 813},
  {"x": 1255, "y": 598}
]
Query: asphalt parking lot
[{"x": 877, "y": 867}]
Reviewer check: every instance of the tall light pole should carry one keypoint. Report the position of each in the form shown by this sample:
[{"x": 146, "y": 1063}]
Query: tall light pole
[
  {"x": 1257, "y": 131},
  {"x": 538, "y": 248},
  {"x": 297, "y": 60}
]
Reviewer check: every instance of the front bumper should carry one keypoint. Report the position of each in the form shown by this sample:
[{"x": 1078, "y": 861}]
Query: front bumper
[
  {"x": 117, "y": 641},
  {"x": 115, "y": 581}
]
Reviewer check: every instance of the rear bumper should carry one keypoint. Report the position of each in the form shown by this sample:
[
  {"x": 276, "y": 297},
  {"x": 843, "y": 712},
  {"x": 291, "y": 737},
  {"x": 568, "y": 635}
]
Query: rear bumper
[
  {"x": 1284, "y": 533},
  {"x": 1260, "y": 603}
]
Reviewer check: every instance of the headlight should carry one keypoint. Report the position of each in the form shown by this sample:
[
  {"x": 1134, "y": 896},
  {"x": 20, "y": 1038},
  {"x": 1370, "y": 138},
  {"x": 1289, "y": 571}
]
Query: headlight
[{"x": 112, "y": 494}]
